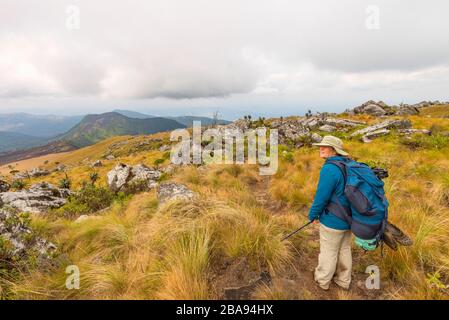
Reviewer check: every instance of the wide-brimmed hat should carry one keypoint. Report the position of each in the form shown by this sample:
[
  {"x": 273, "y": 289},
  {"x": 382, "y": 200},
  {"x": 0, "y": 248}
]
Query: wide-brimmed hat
[{"x": 334, "y": 142}]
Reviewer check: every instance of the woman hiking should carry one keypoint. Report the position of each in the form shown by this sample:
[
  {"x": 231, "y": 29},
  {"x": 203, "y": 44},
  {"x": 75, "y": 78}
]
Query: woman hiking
[{"x": 335, "y": 259}]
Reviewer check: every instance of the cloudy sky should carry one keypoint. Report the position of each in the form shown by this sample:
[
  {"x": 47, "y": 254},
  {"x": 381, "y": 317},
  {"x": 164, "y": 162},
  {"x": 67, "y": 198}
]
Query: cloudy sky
[{"x": 268, "y": 57}]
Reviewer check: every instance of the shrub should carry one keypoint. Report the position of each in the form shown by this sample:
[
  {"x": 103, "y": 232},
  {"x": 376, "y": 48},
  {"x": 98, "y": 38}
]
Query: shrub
[
  {"x": 288, "y": 156},
  {"x": 88, "y": 200},
  {"x": 18, "y": 184},
  {"x": 96, "y": 198},
  {"x": 65, "y": 183}
]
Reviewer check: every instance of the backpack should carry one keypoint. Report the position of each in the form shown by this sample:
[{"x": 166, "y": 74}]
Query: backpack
[{"x": 367, "y": 213}]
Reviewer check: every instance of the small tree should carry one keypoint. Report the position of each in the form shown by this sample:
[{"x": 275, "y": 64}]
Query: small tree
[
  {"x": 65, "y": 183},
  {"x": 93, "y": 178}
]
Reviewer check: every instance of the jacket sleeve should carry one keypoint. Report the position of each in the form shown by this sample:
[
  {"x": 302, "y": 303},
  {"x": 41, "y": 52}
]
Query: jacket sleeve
[{"x": 326, "y": 186}]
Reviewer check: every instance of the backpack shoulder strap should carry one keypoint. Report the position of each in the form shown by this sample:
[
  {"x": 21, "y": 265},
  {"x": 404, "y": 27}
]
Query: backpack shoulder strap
[
  {"x": 335, "y": 205},
  {"x": 342, "y": 166}
]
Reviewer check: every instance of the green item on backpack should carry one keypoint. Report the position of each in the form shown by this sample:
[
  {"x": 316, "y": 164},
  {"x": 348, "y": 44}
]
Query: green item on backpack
[{"x": 368, "y": 245}]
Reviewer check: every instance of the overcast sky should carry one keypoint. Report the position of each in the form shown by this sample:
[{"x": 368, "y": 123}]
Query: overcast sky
[{"x": 269, "y": 57}]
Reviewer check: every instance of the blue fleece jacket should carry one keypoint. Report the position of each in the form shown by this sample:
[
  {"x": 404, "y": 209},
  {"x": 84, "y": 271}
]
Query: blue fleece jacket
[{"x": 331, "y": 180}]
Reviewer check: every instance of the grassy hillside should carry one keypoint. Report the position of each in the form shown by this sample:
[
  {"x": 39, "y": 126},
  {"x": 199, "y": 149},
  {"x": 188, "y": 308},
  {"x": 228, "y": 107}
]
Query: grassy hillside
[{"x": 139, "y": 249}]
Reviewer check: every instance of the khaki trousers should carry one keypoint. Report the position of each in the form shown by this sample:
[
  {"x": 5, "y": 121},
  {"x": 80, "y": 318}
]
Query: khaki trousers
[{"x": 335, "y": 259}]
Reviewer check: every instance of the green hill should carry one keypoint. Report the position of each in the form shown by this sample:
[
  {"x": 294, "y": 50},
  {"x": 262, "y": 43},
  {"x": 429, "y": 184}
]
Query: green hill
[{"x": 96, "y": 127}]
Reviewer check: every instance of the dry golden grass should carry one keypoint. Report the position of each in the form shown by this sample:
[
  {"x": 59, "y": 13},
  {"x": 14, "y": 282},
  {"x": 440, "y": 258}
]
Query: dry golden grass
[
  {"x": 29, "y": 164},
  {"x": 140, "y": 250}
]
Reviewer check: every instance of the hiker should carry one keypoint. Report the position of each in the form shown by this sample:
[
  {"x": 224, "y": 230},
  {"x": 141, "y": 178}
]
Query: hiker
[{"x": 335, "y": 259}]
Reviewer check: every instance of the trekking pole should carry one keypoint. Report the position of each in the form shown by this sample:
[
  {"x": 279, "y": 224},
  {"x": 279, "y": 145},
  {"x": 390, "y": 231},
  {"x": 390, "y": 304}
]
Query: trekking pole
[{"x": 296, "y": 231}]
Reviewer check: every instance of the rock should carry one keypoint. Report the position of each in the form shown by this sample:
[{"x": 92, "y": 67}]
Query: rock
[
  {"x": 170, "y": 191},
  {"x": 164, "y": 148},
  {"x": 316, "y": 138},
  {"x": 21, "y": 176},
  {"x": 141, "y": 172},
  {"x": 240, "y": 124},
  {"x": 21, "y": 239},
  {"x": 407, "y": 110},
  {"x": 110, "y": 157},
  {"x": 412, "y": 131},
  {"x": 311, "y": 123},
  {"x": 327, "y": 128},
  {"x": 374, "y": 134},
  {"x": 336, "y": 122},
  {"x": 39, "y": 198},
  {"x": 60, "y": 168},
  {"x": 4, "y": 186},
  {"x": 168, "y": 169},
  {"x": 97, "y": 164},
  {"x": 122, "y": 175},
  {"x": 37, "y": 172},
  {"x": 372, "y": 108},
  {"x": 118, "y": 177},
  {"x": 388, "y": 124},
  {"x": 85, "y": 217},
  {"x": 382, "y": 104},
  {"x": 292, "y": 130}
]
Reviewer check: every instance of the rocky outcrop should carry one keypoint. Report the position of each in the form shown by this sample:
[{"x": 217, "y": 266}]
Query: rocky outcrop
[
  {"x": 413, "y": 131},
  {"x": 339, "y": 123},
  {"x": 60, "y": 168},
  {"x": 122, "y": 176},
  {"x": 39, "y": 198},
  {"x": 406, "y": 110},
  {"x": 118, "y": 177},
  {"x": 4, "y": 186},
  {"x": 21, "y": 176},
  {"x": 300, "y": 130},
  {"x": 381, "y": 129},
  {"x": 173, "y": 191},
  {"x": 380, "y": 108},
  {"x": 368, "y": 137},
  {"x": 34, "y": 173},
  {"x": 97, "y": 164},
  {"x": 328, "y": 128},
  {"x": 20, "y": 239},
  {"x": 37, "y": 172},
  {"x": 240, "y": 124},
  {"x": 371, "y": 107},
  {"x": 164, "y": 148}
]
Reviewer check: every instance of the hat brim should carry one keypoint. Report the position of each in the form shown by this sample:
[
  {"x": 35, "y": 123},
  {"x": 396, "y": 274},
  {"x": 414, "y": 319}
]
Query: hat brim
[{"x": 338, "y": 150}]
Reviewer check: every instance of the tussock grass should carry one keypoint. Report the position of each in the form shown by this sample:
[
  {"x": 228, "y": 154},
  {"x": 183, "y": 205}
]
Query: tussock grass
[
  {"x": 143, "y": 251},
  {"x": 417, "y": 190},
  {"x": 139, "y": 249}
]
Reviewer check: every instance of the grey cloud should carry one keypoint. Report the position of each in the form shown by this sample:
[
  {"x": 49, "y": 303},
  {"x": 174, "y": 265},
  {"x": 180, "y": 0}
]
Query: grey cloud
[{"x": 204, "y": 49}]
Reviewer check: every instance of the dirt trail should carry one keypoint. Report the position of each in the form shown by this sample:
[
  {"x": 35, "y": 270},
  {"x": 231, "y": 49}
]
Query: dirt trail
[{"x": 298, "y": 283}]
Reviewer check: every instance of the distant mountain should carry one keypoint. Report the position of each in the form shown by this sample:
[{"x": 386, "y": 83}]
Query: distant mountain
[
  {"x": 96, "y": 127},
  {"x": 37, "y": 125},
  {"x": 10, "y": 141},
  {"x": 185, "y": 120},
  {"x": 133, "y": 114}
]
